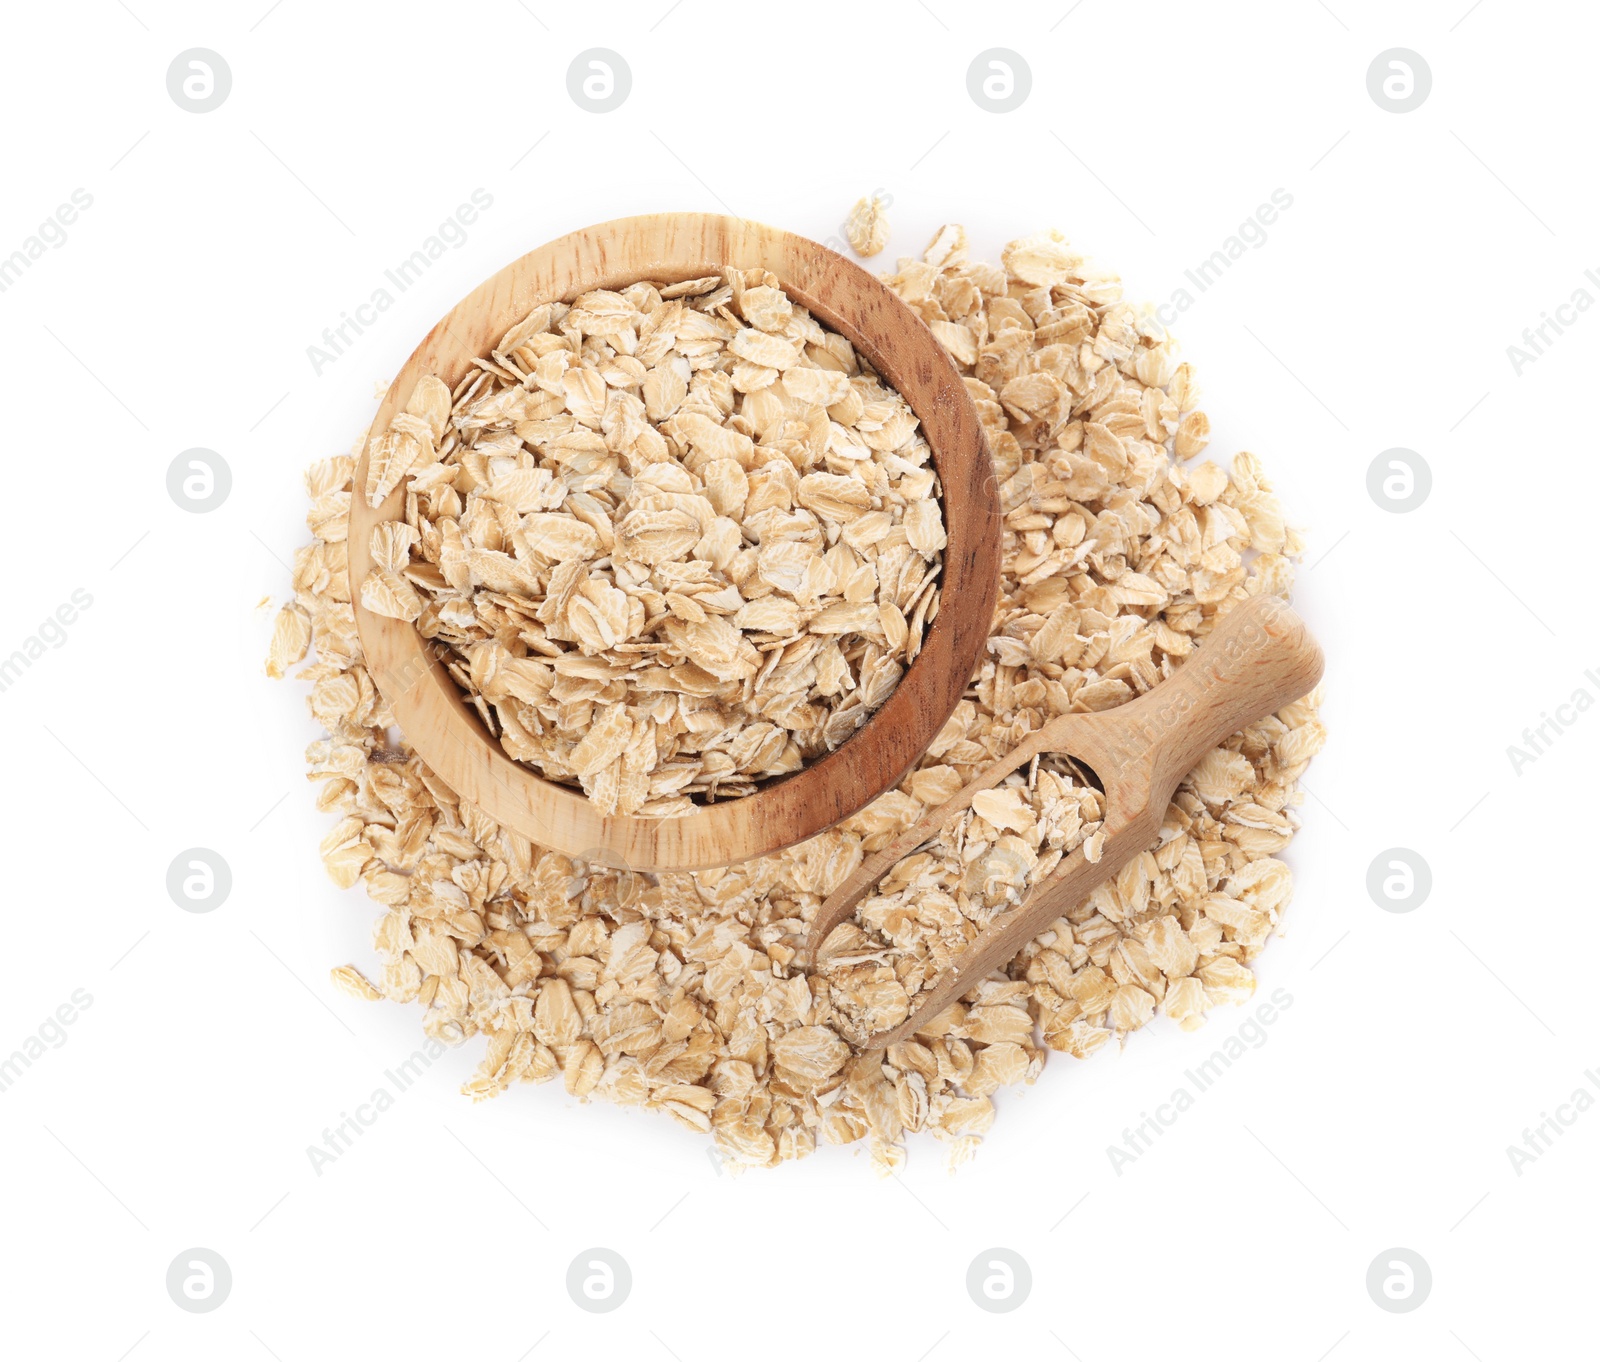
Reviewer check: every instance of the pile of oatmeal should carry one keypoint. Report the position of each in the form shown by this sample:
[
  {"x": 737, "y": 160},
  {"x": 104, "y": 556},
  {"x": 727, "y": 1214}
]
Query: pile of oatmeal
[
  {"x": 681, "y": 993},
  {"x": 670, "y": 541}
]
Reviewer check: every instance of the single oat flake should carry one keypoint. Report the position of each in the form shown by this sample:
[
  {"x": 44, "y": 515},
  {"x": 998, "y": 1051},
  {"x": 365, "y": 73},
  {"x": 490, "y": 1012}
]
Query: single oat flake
[
  {"x": 867, "y": 226},
  {"x": 684, "y": 993}
]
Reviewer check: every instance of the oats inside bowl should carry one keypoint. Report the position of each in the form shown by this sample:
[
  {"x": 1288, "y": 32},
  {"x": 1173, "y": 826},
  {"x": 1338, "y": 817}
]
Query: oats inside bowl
[{"x": 671, "y": 540}]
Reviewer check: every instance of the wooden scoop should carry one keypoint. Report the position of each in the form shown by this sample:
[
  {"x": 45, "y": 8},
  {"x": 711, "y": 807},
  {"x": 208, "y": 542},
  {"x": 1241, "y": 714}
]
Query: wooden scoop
[
  {"x": 666, "y": 248},
  {"x": 1257, "y": 659}
]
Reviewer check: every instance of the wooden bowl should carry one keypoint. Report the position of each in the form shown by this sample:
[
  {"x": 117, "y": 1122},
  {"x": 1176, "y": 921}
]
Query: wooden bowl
[{"x": 667, "y": 247}]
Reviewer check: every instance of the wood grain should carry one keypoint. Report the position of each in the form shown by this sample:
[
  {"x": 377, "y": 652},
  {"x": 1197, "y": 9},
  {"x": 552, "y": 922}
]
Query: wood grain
[{"x": 668, "y": 247}]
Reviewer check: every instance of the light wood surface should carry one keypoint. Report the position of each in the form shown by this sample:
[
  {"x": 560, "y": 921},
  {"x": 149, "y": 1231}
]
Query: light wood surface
[
  {"x": 668, "y": 247},
  {"x": 1259, "y": 658}
]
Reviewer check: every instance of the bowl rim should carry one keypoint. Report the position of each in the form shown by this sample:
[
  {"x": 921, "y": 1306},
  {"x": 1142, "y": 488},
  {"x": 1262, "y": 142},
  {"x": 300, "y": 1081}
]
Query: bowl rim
[{"x": 447, "y": 734}]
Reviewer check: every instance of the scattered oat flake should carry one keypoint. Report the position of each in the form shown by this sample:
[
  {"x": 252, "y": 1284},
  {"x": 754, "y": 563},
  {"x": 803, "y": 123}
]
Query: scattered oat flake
[
  {"x": 349, "y": 980},
  {"x": 867, "y": 226},
  {"x": 291, "y": 636}
]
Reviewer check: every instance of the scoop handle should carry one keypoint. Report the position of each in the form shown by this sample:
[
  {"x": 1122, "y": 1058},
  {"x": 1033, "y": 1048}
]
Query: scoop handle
[{"x": 1257, "y": 659}]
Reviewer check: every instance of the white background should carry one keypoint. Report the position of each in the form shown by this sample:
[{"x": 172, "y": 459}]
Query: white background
[{"x": 1377, "y": 314}]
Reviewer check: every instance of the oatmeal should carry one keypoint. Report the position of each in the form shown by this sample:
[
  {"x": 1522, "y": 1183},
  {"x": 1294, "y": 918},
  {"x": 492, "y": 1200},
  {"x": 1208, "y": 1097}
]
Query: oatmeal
[
  {"x": 671, "y": 541},
  {"x": 682, "y": 993}
]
